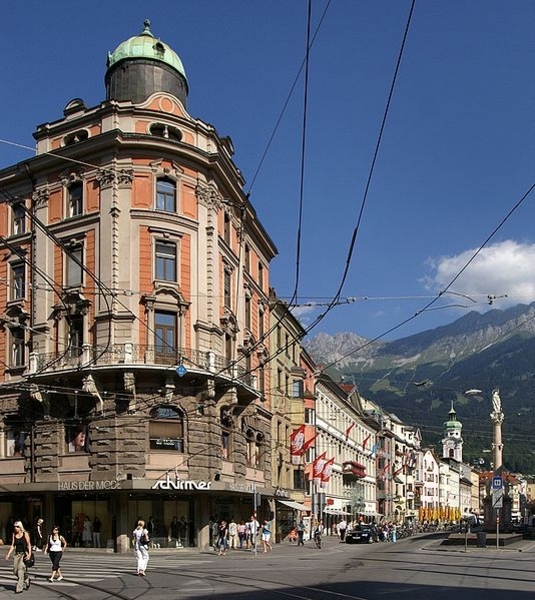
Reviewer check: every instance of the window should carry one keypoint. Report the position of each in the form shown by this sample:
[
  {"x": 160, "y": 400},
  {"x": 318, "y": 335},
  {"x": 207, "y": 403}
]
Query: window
[
  {"x": 19, "y": 219},
  {"x": 75, "y": 335},
  {"x": 247, "y": 259},
  {"x": 17, "y": 347},
  {"x": 279, "y": 379},
  {"x": 18, "y": 281},
  {"x": 261, "y": 275},
  {"x": 73, "y": 268},
  {"x": 310, "y": 416},
  {"x": 15, "y": 442},
  {"x": 166, "y": 261},
  {"x": 228, "y": 347},
  {"x": 75, "y": 191},
  {"x": 166, "y": 430},
  {"x": 226, "y": 228},
  {"x": 261, "y": 328},
  {"x": 227, "y": 291},
  {"x": 248, "y": 312},
  {"x": 165, "y": 328},
  {"x": 225, "y": 443},
  {"x": 77, "y": 438},
  {"x": 166, "y": 194},
  {"x": 299, "y": 479},
  {"x": 297, "y": 388}
]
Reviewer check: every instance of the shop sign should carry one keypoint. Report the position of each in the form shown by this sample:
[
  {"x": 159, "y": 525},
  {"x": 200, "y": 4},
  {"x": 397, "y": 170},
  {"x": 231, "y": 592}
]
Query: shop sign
[
  {"x": 88, "y": 486},
  {"x": 179, "y": 484},
  {"x": 248, "y": 488}
]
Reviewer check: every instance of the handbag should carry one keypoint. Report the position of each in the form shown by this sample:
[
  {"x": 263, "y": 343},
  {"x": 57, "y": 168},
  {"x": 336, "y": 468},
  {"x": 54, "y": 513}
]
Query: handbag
[{"x": 30, "y": 562}]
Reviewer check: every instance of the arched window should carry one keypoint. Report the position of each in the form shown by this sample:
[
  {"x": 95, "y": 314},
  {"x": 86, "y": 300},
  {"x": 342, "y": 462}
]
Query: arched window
[
  {"x": 165, "y": 194},
  {"x": 166, "y": 430}
]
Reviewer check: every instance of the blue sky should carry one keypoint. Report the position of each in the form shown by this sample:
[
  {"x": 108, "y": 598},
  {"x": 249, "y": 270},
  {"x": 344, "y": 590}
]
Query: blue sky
[{"x": 457, "y": 154}]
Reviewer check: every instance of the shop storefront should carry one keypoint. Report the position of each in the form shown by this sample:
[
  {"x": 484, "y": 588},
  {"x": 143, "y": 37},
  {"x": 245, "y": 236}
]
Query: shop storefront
[{"x": 179, "y": 511}]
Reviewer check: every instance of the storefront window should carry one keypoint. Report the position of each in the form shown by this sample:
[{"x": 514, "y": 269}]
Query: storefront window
[
  {"x": 166, "y": 430},
  {"x": 15, "y": 439},
  {"x": 77, "y": 438}
]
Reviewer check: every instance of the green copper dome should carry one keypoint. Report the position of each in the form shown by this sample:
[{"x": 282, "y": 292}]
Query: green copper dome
[{"x": 146, "y": 46}]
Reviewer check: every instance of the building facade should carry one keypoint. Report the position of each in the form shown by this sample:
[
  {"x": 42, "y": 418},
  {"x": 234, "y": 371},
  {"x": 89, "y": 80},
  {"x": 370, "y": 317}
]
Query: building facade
[{"x": 133, "y": 329}]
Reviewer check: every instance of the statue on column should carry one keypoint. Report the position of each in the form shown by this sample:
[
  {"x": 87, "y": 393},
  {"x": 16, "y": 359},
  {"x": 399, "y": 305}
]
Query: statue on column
[{"x": 497, "y": 413}]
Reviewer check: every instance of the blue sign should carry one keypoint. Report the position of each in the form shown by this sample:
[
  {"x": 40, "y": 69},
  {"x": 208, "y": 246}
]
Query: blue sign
[
  {"x": 181, "y": 371},
  {"x": 497, "y": 482}
]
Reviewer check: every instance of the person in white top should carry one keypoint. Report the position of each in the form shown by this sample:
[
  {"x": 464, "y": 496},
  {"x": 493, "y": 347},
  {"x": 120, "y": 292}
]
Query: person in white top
[
  {"x": 140, "y": 538},
  {"x": 233, "y": 534},
  {"x": 55, "y": 547}
]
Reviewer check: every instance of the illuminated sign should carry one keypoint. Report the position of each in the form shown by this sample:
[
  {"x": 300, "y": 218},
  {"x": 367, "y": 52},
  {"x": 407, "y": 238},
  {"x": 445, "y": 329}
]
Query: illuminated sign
[
  {"x": 88, "y": 486},
  {"x": 179, "y": 484}
]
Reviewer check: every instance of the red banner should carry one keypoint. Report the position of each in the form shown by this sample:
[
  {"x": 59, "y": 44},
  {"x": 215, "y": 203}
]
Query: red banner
[
  {"x": 327, "y": 471},
  {"x": 317, "y": 468},
  {"x": 297, "y": 445}
]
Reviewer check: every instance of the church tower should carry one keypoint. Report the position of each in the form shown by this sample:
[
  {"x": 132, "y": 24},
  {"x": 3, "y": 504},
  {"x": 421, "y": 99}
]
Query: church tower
[{"x": 452, "y": 443}]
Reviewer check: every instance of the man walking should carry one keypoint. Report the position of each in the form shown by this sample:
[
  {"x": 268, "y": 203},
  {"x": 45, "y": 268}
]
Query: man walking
[{"x": 342, "y": 528}]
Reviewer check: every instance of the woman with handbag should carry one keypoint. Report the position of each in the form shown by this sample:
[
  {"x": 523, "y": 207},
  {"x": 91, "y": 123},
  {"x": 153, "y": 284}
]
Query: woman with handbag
[
  {"x": 21, "y": 549},
  {"x": 140, "y": 538},
  {"x": 55, "y": 548}
]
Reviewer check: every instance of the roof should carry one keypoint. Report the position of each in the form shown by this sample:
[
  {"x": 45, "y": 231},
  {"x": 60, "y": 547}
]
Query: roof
[{"x": 145, "y": 45}]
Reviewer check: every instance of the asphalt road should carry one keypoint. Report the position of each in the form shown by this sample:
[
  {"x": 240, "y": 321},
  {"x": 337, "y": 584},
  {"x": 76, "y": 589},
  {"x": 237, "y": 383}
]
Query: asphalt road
[{"x": 415, "y": 568}]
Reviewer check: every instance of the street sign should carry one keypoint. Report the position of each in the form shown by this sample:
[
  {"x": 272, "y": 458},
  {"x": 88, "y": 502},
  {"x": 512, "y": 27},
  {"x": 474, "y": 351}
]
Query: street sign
[
  {"x": 497, "y": 482},
  {"x": 497, "y": 498},
  {"x": 181, "y": 371}
]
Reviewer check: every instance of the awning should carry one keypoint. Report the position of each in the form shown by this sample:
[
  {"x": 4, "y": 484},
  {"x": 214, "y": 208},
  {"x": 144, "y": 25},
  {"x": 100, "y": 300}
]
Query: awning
[
  {"x": 294, "y": 505},
  {"x": 335, "y": 511}
]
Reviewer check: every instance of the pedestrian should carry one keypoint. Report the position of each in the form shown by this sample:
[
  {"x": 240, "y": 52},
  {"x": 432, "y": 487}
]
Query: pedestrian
[
  {"x": 342, "y": 528},
  {"x": 97, "y": 527},
  {"x": 222, "y": 542},
  {"x": 140, "y": 538},
  {"x": 214, "y": 532},
  {"x": 87, "y": 535},
  {"x": 38, "y": 535},
  {"x": 233, "y": 534},
  {"x": 21, "y": 548},
  {"x": 242, "y": 533},
  {"x": 252, "y": 527},
  {"x": 301, "y": 533},
  {"x": 56, "y": 547},
  {"x": 266, "y": 535},
  {"x": 174, "y": 534}
]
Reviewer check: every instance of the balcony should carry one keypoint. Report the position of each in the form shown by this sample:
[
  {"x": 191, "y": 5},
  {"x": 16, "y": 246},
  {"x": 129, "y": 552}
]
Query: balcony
[{"x": 129, "y": 356}]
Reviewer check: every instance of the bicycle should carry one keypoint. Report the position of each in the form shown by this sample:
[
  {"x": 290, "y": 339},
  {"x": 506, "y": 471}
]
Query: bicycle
[{"x": 317, "y": 540}]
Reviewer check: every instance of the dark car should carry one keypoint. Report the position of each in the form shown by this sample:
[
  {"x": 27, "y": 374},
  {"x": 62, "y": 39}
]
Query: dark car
[{"x": 362, "y": 534}]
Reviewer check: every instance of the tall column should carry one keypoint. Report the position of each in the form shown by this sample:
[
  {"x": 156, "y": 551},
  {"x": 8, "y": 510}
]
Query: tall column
[{"x": 497, "y": 419}]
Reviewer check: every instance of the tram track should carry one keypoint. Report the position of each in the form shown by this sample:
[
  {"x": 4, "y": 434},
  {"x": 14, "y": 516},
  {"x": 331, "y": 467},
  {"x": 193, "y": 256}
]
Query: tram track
[{"x": 147, "y": 589}]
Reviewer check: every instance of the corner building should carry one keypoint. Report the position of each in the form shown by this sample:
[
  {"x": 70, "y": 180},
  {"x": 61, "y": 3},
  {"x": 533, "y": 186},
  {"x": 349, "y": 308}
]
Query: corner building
[{"x": 135, "y": 299}]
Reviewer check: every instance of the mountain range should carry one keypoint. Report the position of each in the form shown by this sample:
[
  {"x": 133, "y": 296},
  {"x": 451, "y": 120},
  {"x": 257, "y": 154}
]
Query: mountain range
[{"x": 420, "y": 376}]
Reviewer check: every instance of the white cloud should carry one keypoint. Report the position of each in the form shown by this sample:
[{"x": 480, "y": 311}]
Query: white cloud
[
  {"x": 303, "y": 313},
  {"x": 503, "y": 269}
]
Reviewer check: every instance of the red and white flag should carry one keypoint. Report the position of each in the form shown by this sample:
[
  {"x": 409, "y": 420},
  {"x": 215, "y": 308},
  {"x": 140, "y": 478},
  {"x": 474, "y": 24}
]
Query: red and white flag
[
  {"x": 309, "y": 442},
  {"x": 327, "y": 471},
  {"x": 365, "y": 442},
  {"x": 317, "y": 468},
  {"x": 348, "y": 430},
  {"x": 297, "y": 445}
]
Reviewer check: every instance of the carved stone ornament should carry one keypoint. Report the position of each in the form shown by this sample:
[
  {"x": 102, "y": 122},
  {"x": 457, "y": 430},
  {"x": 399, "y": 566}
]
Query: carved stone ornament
[
  {"x": 70, "y": 177},
  {"x": 207, "y": 194},
  {"x": 105, "y": 177},
  {"x": 125, "y": 177},
  {"x": 40, "y": 196}
]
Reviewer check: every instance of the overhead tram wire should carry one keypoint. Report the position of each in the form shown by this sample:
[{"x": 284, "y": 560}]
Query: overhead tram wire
[
  {"x": 285, "y": 105},
  {"x": 357, "y": 228},
  {"x": 370, "y": 173},
  {"x": 442, "y": 292}
]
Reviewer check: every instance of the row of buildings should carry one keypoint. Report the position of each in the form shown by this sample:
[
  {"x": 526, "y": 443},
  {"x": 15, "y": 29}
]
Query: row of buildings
[{"x": 147, "y": 366}]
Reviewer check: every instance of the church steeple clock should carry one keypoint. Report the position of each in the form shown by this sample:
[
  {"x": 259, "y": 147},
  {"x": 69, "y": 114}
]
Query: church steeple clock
[{"x": 452, "y": 443}]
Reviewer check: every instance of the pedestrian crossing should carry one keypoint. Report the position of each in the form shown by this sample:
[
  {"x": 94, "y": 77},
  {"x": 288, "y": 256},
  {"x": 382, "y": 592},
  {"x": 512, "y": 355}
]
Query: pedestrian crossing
[{"x": 90, "y": 568}]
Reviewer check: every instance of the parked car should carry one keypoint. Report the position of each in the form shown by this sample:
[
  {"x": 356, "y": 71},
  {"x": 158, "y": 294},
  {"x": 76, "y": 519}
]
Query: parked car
[{"x": 362, "y": 533}]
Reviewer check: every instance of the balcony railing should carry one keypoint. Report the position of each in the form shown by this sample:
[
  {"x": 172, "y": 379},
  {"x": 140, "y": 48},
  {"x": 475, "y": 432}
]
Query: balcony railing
[{"x": 129, "y": 354}]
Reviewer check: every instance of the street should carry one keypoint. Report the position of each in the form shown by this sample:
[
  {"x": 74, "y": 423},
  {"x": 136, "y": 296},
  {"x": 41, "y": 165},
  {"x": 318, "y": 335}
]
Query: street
[{"x": 417, "y": 568}]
